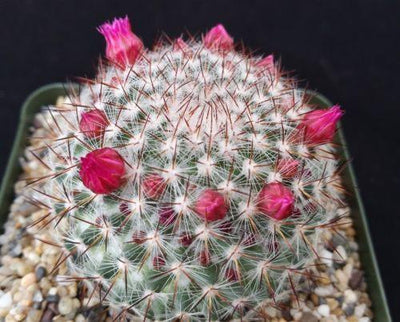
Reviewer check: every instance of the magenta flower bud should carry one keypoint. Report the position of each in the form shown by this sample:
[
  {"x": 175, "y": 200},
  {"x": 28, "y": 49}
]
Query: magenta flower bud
[
  {"x": 103, "y": 170},
  {"x": 231, "y": 275},
  {"x": 218, "y": 38},
  {"x": 249, "y": 239},
  {"x": 276, "y": 201},
  {"x": 93, "y": 123},
  {"x": 287, "y": 168},
  {"x": 180, "y": 44},
  {"x": 139, "y": 237},
  {"x": 153, "y": 186},
  {"x": 226, "y": 227},
  {"x": 166, "y": 216},
  {"x": 211, "y": 205},
  {"x": 123, "y": 46},
  {"x": 267, "y": 63},
  {"x": 319, "y": 126},
  {"x": 273, "y": 246},
  {"x": 125, "y": 209},
  {"x": 186, "y": 239},
  {"x": 158, "y": 262},
  {"x": 204, "y": 258}
]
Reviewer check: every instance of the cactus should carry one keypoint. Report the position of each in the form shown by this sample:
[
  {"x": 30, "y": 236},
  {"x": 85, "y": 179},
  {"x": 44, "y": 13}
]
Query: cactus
[{"x": 192, "y": 181}]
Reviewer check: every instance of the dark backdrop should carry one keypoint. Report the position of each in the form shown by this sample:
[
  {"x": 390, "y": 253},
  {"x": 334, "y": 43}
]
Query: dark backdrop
[{"x": 347, "y": 50}]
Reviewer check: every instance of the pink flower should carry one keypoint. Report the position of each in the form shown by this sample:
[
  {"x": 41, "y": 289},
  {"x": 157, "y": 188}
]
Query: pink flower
[
  {"x": 93, "y": 123},
  {"x": 123, "y": 46},
  {"x": 319, "y": 126},
  {"x": 102, "y": 170},
  {"x": 287, "y": 167},
  {"x": 276, "y": 201},
  {"x": 211, "y": 205},
  {"x": 218, "y": 38},
  {"x": 153, "y": 186},
  {"x": 267, "y": 63}
]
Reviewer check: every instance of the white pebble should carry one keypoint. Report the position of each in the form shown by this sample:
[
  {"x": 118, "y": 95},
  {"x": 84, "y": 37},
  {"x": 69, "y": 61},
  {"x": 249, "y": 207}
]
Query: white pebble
[
  {"x": 37, "y": 297},
  {"x": 327, "y": 257},
  {"x": 360, "y": 310},
  {"x": 65, "y": 306},
  {"x": 6, "y": 301},
  {"x": 364, "y": 319},
  {"x": 350, "y": 296},
  {"x": 80, "y": 318},
  {"x": 271, "y": 311},
  {"x": 353, "y": 246},
  {"x": 324, "y": 310},
  {"x": 348, "y": 269},
  {"x": 342, "y": 278},
  {"x": 52, "y": 291},
  {"x": 33, "y": 257},
  {"x": 340, "y": 254},
  {"x": 324, "y": 291},
  {"x": 296, "y": 314}
]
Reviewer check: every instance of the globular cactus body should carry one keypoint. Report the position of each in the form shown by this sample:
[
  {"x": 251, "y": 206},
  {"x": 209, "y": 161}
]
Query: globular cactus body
[{"x": 191, "y": 181}]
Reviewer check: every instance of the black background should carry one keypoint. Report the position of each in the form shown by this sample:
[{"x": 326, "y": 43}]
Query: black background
[{"x": 348, "y": 50}]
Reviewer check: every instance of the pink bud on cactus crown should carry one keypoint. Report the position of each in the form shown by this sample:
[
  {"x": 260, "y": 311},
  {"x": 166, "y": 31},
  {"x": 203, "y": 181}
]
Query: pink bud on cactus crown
[
  {"x": 102, "y": 170},
  {"x": 123, "y": 46},
  {"x": 93, "y": 123},
  {"x": 211, "y": 205},
  {"x": 319, "y": 126},
  {"x": 218, "y": 38},
  {"x": 267, "y": 63},
  {"x": 180, "y": 44},
  {"x": 276, "y": 201},
  {"x": 287, "y": 167},
  {"x": 153, "y": 186}
]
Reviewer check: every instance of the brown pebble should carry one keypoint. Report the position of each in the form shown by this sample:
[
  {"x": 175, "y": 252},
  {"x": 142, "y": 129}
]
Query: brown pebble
[
  {"x": 308, "y": 317},
  {"x": 47, "y": 316},
  {"x": 356, "y": 279},
  {"x": 286, "y": 316},
  {"x": 53, "y": 307},
  {"x": 364, "y": 298},
  {"x": 315, "y": 299},
  {"x": 332, "y": 303},
  {"x": 350, "y": 232},
  {"x": 338, "y": 311},
  {"x": 324, "y": 279},
  {"x": 369, "y": 313}
]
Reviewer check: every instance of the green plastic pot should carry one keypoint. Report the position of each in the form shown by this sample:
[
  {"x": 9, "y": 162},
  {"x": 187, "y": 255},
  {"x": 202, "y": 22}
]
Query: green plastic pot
[{"x": 48, "y": 94}]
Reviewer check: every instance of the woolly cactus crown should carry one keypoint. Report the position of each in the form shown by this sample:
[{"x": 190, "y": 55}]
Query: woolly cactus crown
[{"x": 190, "y": 181}]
